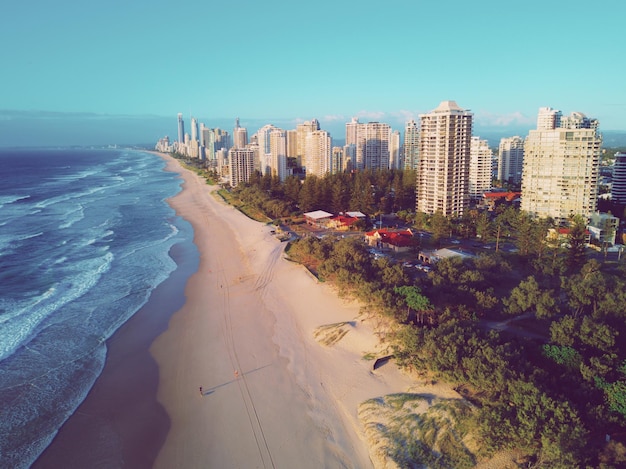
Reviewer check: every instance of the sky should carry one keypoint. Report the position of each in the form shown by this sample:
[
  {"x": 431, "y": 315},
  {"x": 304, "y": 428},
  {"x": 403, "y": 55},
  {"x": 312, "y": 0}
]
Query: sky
[{"x": 78, "y": 72}]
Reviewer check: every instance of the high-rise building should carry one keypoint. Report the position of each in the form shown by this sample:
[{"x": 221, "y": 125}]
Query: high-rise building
[
  {"x": 548, "y": 118},
  {"x": 336, "y": 160},
  {"x": 194, "y": 129},
  {"x": 511, "y": 159},
  {"x": 278, "y": 154},
  {"x": 561, "y": 166},
  {"x": 411, "y": 144},
  {"x": 481, "y": 160},
  {"x": 292, "y": 144},
  {"x": 618, "y": 185},
  {"x": 351, "y": 131},
  {"x": 372, "y": 146},
  {"x": 240, "y": 164},
  {"x": 181, "y": 129},
  {"x": 395, "y": 155},
  {"x": 317, "y": 153},
  {"x": 302, "y": 130},
  {"x": 240, "y": 135},
  {"x": 444, "y": 159},
  {"x": 263, "y": 141}
]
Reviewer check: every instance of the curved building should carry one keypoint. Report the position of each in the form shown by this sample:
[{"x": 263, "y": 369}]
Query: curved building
[{"x": 618, "y": 186}]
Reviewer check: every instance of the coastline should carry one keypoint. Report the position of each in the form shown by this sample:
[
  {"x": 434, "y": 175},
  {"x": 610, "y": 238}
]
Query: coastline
[
  {"x": 292, "y": 401},
  {"x": 120, "y": 423}
]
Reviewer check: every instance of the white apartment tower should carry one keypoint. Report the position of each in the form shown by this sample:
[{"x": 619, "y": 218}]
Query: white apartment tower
[
  {"x": 372, "y": 146},
  {"x": 395, "y": 148},
  {"x": 317, "y": 153},
  {"x": 511, "y": 159},
  {"x": 618, "y": 186},
  {"x": 351, "y": 131},
  {"x": 444, "y": 160},
  {"x": 302, "y": 130},
  {"x": 263, "y": 140},
  {"x": 181, "y": 129},
  {"x": 240, "y": 165},
  {"x": 337, "y": 164},
  {"x": 561, "y": 166},
  {"x": 480, "y": 171},
  {"x": 278, "y": 154},
  {"x": 240, "y": 135},
  {"x": 411, "y": 144}
]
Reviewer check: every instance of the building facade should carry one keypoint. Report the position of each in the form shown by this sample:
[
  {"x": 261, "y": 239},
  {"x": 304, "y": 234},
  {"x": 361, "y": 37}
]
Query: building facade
[
  {"x": 317, "y": 153},
  {"x": 481, "y": 161},
  {"x": 444, "y": 160},
  {"x": 511, "y": 160},
  {"x": 561, "y": 166},
  {"x": 411, "y": 144},
  {"x": 372, "y": 146},
  {"x": 240, "y": 165},
  {"x": 618, "y": 185}
]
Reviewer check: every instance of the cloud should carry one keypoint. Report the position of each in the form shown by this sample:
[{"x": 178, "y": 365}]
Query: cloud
[{"x": 512, "y": 119}]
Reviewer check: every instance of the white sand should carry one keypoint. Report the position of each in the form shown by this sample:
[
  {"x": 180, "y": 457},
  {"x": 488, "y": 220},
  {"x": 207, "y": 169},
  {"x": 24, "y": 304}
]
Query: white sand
[{"x": 294, "y": 403}]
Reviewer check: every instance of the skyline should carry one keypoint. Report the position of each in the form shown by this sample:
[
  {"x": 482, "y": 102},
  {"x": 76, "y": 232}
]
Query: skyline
[{"x": 113, "y": 69}]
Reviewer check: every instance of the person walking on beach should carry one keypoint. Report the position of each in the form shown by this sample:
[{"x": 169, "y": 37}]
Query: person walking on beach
[{"x": 201, "y": 393}]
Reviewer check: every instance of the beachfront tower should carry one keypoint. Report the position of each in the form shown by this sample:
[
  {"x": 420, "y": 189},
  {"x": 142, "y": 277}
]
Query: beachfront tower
[
  {"x": 181, "y": 129},
  {"x": 561, "y": 166},
  {"x": 411, "y": 144},
  {"x": 481, "y": 162},
  {"x": 240, "y": 135},
  {"x": 618, "y": 186},
  {"x": 444, "y": 160},
  {"x": 302, "y": 130},
  {"x": 372, "y": 145},
  {"x": 511, "y": 159},
  {"x": 317, "y": 153}
]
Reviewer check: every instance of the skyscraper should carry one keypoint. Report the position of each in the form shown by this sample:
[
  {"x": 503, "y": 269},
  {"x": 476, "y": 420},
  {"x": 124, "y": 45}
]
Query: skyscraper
[
  {"x": 372, "y": 145},
  {"x": 511, "y": 159},
  {"x": 444, "y": 159},
  {"x": 411, "y": 144},
  {"x": 561, "y": 166},
  {"x": 301, "y": 132},
  {"x": 395, "y": 155},
  {"x": 278, "y": 154},
  {"x": 618, "y": 186},
  {"x": 240, "y": 135},
  {"x": 317, "y": 153},
  {"x": 181, "y": 129},
  {"x": 240, "y": 164},
  {"x": 481, "y": 158}
]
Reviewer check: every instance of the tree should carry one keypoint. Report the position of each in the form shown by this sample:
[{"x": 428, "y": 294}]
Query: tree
[
  {"x": 576, "y": 240},
  {"x": 528, "y": 296},
  {"x": 439, "y": 225},
  {"x": 415, "y": 301}
]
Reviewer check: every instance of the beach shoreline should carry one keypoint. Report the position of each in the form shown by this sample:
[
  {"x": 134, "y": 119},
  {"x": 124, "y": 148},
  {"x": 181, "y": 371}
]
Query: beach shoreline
[{"x": 243, "y": 330}]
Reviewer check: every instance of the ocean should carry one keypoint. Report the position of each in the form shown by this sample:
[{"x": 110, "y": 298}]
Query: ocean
[{"x": 85, "y": 237}]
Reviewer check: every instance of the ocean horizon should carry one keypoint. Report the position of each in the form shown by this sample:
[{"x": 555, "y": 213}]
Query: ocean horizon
[{"x": 85, "y": 237}]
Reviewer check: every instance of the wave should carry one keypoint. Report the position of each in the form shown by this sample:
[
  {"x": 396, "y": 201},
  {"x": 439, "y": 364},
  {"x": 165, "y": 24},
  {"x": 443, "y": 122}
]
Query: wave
[
  {"x": 9, "y": 199},
  {"x": 21, "y": 323}
]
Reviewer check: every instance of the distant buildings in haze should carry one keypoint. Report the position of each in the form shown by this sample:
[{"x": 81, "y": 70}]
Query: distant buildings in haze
[{"x": 556, "y": 165}]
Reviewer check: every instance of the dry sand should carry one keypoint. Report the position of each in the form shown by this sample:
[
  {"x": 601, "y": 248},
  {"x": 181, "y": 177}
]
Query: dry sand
[{"x": 272, "y": 395}]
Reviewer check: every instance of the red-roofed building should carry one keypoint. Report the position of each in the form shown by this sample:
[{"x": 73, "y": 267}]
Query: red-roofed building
[
  {"x": 490, "y": 199},
  {"x": 395, "y": 240},
  {"x": 342, "y": 222}
]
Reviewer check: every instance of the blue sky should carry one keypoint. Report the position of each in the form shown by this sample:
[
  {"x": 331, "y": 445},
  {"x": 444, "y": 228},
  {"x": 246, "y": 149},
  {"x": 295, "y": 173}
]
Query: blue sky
[{"x": 117, "y": 66}]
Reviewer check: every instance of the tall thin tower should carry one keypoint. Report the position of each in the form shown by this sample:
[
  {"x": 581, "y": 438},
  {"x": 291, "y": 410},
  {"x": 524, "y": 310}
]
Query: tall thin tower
[
  {"x": 181, "y": 128},
  {"x": 444, "y": 160}
]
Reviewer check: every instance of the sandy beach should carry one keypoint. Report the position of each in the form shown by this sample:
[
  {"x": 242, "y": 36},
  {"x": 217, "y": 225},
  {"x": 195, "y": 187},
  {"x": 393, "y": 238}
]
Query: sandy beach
[{"x": 272, "y": 395}]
